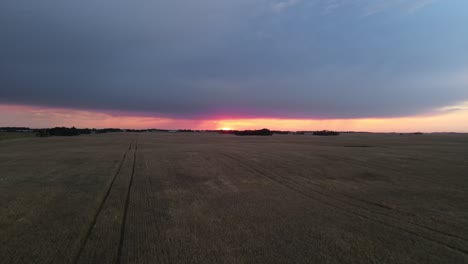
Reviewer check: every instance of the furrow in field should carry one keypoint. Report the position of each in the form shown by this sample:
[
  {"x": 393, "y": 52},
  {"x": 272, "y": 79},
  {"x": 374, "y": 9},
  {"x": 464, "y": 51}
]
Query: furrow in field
[
  {"x": 142, "y": 240},
  {"x": 424, "y": 222},
  {"x": 331, "y": 201},
  {"x": 101, "y": 205},
  {"x": 165, "y": 222},
  {"x": 101, "y": 244},
  {"x": 387, "y": 168},
  {"x": 374, "y": 206},
  {"x": 127, "y": 201}
]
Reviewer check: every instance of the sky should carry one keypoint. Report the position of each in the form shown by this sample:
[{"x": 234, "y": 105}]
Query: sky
[{"x": 367, "y": 65}]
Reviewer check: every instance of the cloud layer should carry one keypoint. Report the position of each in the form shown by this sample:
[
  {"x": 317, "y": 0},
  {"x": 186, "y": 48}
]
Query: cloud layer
[{"x": 244, "y": 58}]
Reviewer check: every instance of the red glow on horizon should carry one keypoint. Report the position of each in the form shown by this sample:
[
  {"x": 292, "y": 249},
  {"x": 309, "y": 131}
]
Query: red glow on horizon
[{"x": 37, "y": 117}]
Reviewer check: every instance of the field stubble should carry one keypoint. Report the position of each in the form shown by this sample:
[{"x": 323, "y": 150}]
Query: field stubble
[{"x": 208, "y": 198}]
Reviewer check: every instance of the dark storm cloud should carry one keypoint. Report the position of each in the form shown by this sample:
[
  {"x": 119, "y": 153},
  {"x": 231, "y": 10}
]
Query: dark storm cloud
[{"x": 259, "y": 58}]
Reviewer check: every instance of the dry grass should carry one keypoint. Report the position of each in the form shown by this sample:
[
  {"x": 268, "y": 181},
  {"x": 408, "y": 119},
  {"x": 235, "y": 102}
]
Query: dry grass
[
  {"x": 208, "y": 198},
  {"x": 15, "y": 135}
]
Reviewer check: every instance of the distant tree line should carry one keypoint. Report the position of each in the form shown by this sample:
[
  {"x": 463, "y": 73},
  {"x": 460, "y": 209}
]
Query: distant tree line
[
  {"x": 325, "y": 133},
  {"x": 318, "y": 133},
  {"x": 106, "y": 130},
  {"x": 281, "y": 132},
  {"x": 15, "y": 129},
  {"x": 416, "y": 133},
  {"x": 261, "y": 132},
  {"x": 62, "y": 131},
  {"x": 73, "y": 131}
]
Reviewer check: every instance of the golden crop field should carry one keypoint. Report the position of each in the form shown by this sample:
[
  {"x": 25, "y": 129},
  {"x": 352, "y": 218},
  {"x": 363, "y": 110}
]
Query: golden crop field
[{"x": 212, "y": 198}]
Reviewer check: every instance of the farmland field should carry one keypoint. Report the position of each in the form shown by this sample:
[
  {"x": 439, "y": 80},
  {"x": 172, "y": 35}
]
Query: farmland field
[
  {"x": 15, "y": 135},
  {"x": 211, "y": 198}
]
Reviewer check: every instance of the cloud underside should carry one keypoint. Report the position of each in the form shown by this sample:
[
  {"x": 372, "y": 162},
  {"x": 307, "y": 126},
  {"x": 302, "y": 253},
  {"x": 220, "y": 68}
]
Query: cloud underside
[
  {"x": 255, "y": 58},
  {"x": 364, "y": 7}
]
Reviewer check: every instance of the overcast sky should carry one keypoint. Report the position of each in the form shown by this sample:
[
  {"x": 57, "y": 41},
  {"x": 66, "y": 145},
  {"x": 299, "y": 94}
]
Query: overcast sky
[{"x": 236, "y": 58}]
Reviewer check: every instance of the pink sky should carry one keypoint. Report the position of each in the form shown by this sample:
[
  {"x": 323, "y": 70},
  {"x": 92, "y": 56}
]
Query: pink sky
[{"x": 447, "y": 119}]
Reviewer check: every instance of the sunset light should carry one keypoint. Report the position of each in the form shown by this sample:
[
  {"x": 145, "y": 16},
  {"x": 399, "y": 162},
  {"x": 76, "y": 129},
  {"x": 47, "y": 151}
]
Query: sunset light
[
  {"x": 443, "y": 120},
  {"x": 233, "y": 131}
]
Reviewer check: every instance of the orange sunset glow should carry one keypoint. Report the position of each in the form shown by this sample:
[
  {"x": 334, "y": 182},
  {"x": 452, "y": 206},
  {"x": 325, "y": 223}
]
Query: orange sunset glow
[
  {"x": 444, "y": 120},
  {"x": 233, "y": 131}
]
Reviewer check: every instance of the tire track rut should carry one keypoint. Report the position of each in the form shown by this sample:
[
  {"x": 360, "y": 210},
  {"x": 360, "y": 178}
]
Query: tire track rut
[
  {"x": 127, "y": 201},
  {"x": 99, "y": 245},
  {"x": 376, "y": 204},
  {"x": 296, "y": 187}
]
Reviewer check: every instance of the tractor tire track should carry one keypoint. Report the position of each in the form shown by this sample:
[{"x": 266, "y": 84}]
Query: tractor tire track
[
  {"x": 377, "y": 167},
  {"x": 127, "y": 201},
  {"x": 285, "y": 182},
  {"x": 357, "y": 199},
  {"x": 101, "y": 204},
  {"x": 101, "y": 244},
  {"x": 392, "y": 169}
]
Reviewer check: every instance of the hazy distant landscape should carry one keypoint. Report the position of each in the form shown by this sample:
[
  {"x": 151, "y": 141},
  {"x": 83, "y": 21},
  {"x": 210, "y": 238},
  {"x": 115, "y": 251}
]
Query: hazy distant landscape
[
  {"x": 218, "y": 198},
  {"x": 233, "y": 131}
]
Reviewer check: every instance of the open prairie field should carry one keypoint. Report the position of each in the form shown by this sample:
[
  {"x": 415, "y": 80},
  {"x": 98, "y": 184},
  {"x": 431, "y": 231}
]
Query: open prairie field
[
  {"x": 210, "y": 198},
  {"x": 15, "y": 135}
]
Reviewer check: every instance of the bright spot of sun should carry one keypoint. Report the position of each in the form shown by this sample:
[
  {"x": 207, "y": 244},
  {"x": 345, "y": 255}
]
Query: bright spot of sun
[{"x": 225, "y": 128}]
